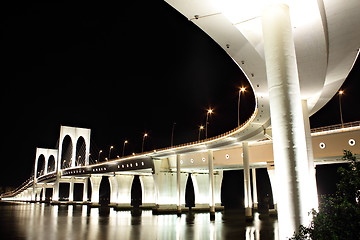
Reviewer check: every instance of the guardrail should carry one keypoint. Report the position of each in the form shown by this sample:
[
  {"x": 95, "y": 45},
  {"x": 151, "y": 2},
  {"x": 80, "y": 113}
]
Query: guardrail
[{"x": 335, "y": 127}]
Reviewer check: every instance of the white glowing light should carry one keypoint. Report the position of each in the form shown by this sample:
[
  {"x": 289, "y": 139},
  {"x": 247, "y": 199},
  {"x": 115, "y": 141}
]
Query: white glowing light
[
  {"x": 227, "y": 156},
  {"x": 322, "y": 145},
  {"x": 352, "y": 142}
]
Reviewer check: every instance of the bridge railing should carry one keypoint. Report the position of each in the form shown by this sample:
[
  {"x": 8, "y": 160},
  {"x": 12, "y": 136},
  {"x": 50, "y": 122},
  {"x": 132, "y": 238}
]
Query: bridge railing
[
  {"x": 335, "y": 127},
  {"x": 204, "y": 141}
]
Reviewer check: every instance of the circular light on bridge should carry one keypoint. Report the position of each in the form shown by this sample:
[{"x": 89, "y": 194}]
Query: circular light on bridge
[
  {"x": 181, "y": 161},
  {"x": 192, "y": 160},
  {"x": 136, "y": 164},
  {"x": 142, "y": 163},
  {"x": 130, "y": 164},
  {"x": 352, "y": 142},
  {"x": 203, "y": 159},
  {"x": 227, "y": 156},
  {"x": 322, "y": 145},
  {"x": 122, "y": 166}
]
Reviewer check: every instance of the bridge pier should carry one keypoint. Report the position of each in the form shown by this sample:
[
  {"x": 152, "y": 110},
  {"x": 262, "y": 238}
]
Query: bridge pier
[
  {"x": 255, "y": 198},
  {"x": 95, "y": 189},
  {"x": 290, "y": 153},
  {"x": 120, "y": 186},
  {"x": 148, "y": 191},
  {"x": 247, "y": 184}
]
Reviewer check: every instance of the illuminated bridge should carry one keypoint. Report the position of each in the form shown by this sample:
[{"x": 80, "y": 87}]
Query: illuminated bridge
[{"x": 296, "y": 55}]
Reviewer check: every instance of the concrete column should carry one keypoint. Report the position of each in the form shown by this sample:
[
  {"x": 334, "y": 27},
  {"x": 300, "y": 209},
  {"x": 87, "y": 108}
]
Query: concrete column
[
  {"x": 113, "y": 190},
  {"x": 73, "y": 154},
  {"x": 178, "y": 183},
  {"x": 290, "y": 154},
  {"x": 247, "y": 184},
  {"x": 55, "y": 196},
  {"x": 255, "y": 198},
  {"x": 148, "y": 191},
  {"x": 124, "y": 183},
  {"x": 71, "y": 190},
  {"x": 95, "y": 188},
  {"x": 211, "y": 181},
  {"x": 312, "y": 175},
  {"x": 85, "y": 190}
]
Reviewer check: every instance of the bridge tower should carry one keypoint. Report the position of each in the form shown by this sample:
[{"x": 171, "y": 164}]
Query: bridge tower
[{"x": 74, "y": 135}]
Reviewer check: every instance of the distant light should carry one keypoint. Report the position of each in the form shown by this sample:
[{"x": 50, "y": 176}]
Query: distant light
[
  {"x": 322, "y": 145},
  {"x": 341, "y": 92},
  {"x": 201, "y": 127},
  {"x": 242, "y": 89},
  {"x": 145, "y": 135}
]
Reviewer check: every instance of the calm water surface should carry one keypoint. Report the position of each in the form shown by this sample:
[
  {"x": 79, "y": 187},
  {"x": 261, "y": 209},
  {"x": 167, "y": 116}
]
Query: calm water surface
[{"x": 40, "y": 221}]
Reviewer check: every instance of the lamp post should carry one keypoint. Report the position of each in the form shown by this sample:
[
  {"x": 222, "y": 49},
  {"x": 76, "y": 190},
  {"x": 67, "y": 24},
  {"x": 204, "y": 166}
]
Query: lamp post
[
  {"x": 209, "y": 112},
  {"x": 111, "y": 147},
  {"x": 200, "y": 128},
  {"x": 99, "y": 155},
  {"x": 125, "y": 142},
  {"x": 142, "y": 147},
  {"x": 341, "y": 92},
  {"x": 242, "y": 89}
]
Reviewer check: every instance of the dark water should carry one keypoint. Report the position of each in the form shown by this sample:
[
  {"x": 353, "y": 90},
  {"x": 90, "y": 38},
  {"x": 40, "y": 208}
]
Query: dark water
[{"x": 40, "y": 221}]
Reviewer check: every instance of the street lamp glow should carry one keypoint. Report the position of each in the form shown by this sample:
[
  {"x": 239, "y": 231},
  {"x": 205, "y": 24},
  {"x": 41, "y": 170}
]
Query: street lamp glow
[
  {"x": 341, "y": 92},
  {"x": 99, "y": 155},
  {"x": 142, "y": 147},
  {"x": 200, "y": 128},
  {"x": 209, "y": 112},
  {"x": 241, "y": 90},
  {"x": 125, "y": 142},
  {"x": 111, "y": 147}
]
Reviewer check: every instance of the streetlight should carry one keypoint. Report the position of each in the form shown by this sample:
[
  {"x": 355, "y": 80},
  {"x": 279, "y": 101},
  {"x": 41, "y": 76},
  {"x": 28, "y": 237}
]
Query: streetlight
[
  {"x": 242, "y": 89},
  {"x": 99, "y": 155},
  {"x": 142, "y": 147},
  {"x": 209, "y": 112},
  {"x": 125, "y": 142},
  {"x": 341, "y": 92},
  {"x": 111, "y": 147},
  {"x": 200, "y": 128}
]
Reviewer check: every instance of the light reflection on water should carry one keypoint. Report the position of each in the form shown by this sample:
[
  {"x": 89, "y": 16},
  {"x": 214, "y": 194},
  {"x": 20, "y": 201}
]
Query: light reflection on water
[{"x": 40, "y": 221}]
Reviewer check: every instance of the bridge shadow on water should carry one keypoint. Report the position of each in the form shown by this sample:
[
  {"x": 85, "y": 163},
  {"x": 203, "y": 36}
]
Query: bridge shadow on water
[{"x": 42, "y": 221}]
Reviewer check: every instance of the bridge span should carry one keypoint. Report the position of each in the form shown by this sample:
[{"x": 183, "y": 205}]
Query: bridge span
[{"x": 163, "y": 173}]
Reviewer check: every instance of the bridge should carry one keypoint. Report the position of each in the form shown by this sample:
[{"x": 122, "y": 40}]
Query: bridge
[{"x": 296, "y": 55}]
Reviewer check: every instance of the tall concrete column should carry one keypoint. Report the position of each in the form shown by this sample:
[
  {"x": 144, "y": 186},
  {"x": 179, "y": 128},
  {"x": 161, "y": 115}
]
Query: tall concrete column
[
  {"x": 290, "y": 154},
  {"x": 247, "y": 184},
  {"x": 211, "y": 181},
  {"x": 178, "y": 183},
  {"x": 312, "y": 175},
  {"x": 255, "y": 198}
]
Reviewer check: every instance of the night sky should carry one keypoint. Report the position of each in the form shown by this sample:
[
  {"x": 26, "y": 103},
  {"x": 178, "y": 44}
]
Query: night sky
[{"x": 121, "y": 70}]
